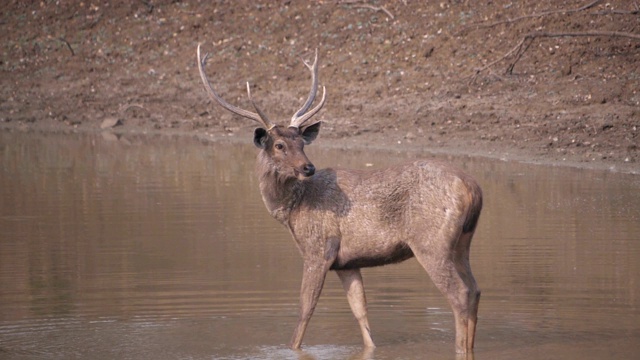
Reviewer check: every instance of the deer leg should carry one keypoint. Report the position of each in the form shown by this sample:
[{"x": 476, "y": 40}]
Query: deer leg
[
  {"x": 312, "y": 282},
  {"x": 352, "y": 284},
  {"x": 451, "y": 274},
  {"x": 315, "y": 271},
  {"x": 464, "y": 270}
]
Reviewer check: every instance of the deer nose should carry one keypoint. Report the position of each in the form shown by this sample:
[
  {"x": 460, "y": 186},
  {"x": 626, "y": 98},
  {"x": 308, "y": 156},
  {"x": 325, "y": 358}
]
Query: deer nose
[{"x": 308, "y": 169}]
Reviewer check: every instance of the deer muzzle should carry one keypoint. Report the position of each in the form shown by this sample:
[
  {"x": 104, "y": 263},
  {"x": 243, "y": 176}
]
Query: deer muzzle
[{"x": 307, "y": 170}]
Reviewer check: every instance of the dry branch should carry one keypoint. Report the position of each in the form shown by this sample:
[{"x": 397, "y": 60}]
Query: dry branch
[
  {"x": 620, "y": 12},
  {"x": 526, "y": 41},
  {"x": 542, "y": 14},
  {"x": 617, "y": 12}
]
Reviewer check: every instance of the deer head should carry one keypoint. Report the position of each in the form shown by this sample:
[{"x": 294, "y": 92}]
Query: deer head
[{"x": 283, "y": 146}]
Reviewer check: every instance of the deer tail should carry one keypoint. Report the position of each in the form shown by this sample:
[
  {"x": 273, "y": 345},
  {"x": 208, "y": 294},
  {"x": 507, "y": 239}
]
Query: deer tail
[{"x": 473, "y": 213}]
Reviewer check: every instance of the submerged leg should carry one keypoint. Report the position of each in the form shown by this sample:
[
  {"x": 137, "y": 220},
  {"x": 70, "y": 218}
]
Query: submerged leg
[
  {"x": 451, "y": 273},
  {"x": 473, "y": 293},
  {"x": 312, "y": 282},
  {"x": 315, "y": 271},
  {"x": 352, "y": 284}
]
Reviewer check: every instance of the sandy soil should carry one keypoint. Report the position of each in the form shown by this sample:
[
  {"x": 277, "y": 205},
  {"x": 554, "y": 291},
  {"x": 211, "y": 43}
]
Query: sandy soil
[{"x": 401, "y": 74}]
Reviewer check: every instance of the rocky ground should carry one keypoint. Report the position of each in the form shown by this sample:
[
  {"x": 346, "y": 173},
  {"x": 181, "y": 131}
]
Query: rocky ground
[{"x": 435, "y": 75}]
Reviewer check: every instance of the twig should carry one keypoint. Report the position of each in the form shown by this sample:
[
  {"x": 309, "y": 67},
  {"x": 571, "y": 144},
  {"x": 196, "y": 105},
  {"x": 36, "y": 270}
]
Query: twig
[
  {"x": 617, "y": 12},
  {"x": 376, "y": 8},
  {"x": 521, "y": 50},
  {"x": 371, "y": 7},
  {"x": 125, "y": 108},
  {"x": 149, "y": 6},
  {"x": 515, "y": 48},
  {"x": 528, "y": 39},
  {"x": 68, "y": 45},
  {"x": 542, "y": 14},
  {"x": 585, "y": 33}
]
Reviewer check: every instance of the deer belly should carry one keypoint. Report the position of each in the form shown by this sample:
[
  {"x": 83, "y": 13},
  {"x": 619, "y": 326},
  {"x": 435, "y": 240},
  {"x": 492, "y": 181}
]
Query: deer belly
[{"x": 369, "y": 254}]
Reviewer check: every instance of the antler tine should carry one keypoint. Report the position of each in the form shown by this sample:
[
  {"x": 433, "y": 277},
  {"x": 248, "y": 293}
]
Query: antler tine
[
  {"x": 262, "y": 115},
  {"x": 295, "y": 120},
  {"x": 301, "y": 120},
  {"x": 259, "y": 117}
]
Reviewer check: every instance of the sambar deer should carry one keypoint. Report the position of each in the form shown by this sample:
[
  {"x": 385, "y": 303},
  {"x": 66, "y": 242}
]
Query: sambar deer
[{"x": 344, "y": 220}]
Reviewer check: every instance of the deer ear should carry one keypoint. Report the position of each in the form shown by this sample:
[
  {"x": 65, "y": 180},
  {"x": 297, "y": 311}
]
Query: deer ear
[
  {"x": 260, "y": 137},
  {"x": 310, "y": 133}
]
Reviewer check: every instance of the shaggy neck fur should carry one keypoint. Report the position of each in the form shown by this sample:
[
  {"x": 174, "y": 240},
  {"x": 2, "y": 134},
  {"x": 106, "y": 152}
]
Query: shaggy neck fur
[{"x": 280, "y": 193}]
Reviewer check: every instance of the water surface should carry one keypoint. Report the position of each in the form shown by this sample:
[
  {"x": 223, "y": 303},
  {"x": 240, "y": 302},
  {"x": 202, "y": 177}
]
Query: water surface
[{"x": 160, "y": 248}]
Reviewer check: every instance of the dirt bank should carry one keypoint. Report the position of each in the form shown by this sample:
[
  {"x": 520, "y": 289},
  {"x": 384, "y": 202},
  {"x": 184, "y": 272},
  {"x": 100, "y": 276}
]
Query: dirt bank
[{"x": 398, "y": 73}]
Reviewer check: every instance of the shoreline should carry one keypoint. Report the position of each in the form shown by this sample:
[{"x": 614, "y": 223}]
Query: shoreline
[{"x": 346, "y": 144}]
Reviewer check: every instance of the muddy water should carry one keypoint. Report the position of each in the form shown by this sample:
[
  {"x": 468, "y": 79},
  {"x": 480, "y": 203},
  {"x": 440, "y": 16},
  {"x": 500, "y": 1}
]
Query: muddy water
[{"x": 160, "y": 248}]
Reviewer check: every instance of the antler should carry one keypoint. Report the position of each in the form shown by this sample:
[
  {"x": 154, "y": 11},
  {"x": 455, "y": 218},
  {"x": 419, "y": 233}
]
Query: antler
[
  {"x": 260, "y": 116},
  {"x": 301, "y": 116}
]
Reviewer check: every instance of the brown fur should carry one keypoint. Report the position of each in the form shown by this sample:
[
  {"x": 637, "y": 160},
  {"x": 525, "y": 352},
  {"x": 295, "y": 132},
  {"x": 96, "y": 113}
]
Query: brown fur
[
  {"x": 347, "y": 219},
  {"x": 344, "y": 220}
]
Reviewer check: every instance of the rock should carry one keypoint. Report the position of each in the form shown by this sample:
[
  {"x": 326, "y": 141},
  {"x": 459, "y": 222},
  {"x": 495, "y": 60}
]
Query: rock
[{"x": 110, "y": 122}]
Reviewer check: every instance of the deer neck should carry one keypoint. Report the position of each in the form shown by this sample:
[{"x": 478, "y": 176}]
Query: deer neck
[{"x": 280, "y": 194}]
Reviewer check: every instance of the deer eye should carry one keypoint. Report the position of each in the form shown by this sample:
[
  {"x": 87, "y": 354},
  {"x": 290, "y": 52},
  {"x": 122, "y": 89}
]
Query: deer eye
[{"x": 279, "y": 146}]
